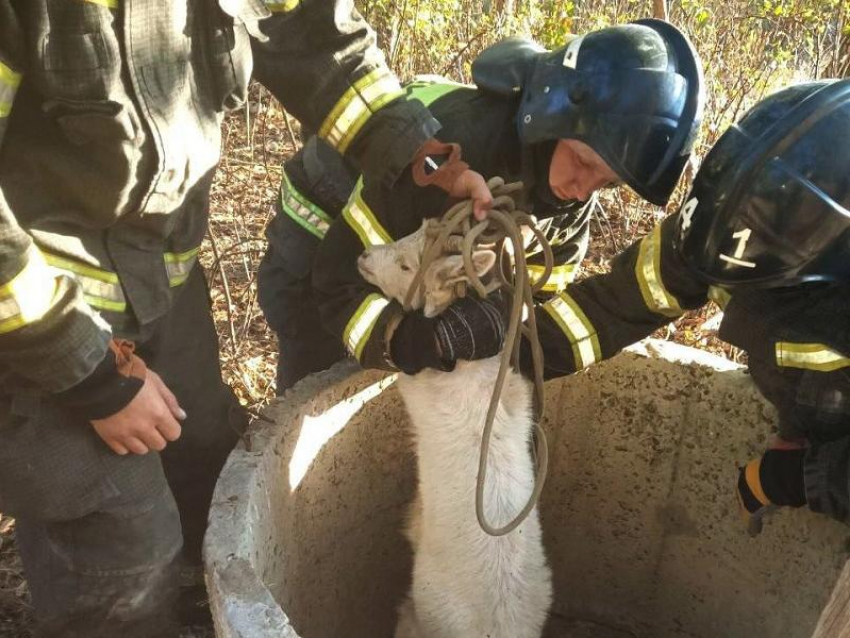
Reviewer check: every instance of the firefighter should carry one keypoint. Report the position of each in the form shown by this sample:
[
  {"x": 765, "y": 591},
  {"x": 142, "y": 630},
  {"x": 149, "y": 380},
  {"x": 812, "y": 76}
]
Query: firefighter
[
  {"x": 619, "y": 105},
  {"x": 765, "y": 232},
  {"x": 115, "y": 421}
]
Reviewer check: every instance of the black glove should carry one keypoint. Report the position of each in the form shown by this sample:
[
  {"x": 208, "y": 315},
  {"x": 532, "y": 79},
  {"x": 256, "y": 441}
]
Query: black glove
[
  {"x": 470, "y": 329},
  {"x": 774, "y": 480}
]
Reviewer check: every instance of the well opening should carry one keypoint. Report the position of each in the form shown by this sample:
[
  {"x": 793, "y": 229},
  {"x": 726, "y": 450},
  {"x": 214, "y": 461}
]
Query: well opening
[{"x": 639, "y": 516}]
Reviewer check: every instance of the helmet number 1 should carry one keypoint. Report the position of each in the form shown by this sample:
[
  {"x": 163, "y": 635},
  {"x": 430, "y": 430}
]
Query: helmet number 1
[{"x": 743, "y": 236}]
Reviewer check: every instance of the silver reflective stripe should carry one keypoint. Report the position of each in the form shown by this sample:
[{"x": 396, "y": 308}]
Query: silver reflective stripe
[
  {"x": 179, "y": 265},
  {"x": 809, "y": 356},
  {"x": 9, "y": 83},
  {"x": 648, "y": 272},
  {"x": 560, "y": 277},
  {"x": 301, "y": 210},
  {"x": 577, "y": 328},
  {"x": 359, "y": 327},
  {"x": 363, "y": 221},
  {"x": 28, "y": 296},
  {"x": 101, "y": 288},
  {"x": 112, "y": 4},
  {"x": 364, "y": 97},
  {"x": 281, "y": 7}
]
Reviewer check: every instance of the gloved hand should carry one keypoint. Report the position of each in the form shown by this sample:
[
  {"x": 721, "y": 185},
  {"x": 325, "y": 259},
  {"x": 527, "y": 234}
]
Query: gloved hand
[
  {"x": 471, "y": 328},
  {"x": 772, "y": 481}
]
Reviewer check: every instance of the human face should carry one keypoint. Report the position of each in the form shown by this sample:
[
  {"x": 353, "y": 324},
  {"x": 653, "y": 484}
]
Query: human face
[{"x": 576, "y": 171}]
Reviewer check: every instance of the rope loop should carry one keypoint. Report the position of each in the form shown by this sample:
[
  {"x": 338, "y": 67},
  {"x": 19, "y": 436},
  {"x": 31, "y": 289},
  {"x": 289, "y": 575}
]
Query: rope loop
[{"x": 459, "y": 232}]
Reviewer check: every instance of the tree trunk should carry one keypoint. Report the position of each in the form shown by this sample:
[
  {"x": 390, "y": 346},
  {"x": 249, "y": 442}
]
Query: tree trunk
[{"x": 659, "y": 9}]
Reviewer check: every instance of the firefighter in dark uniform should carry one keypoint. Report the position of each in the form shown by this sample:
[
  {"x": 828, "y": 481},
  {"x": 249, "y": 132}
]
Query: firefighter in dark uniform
[
  {"x": 618, "y": 105},
  {"x": 765, "y": 231},
  {"x": 110, "y": 114}
]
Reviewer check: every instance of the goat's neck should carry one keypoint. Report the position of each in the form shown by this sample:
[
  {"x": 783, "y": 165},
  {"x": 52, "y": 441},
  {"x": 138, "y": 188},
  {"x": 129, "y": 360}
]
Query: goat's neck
[{"x": 448, "y": 411}]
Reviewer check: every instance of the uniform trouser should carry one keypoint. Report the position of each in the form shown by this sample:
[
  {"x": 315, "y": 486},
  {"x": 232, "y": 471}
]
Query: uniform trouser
[
  {"x": 102, "y": 536},
  {"x": 286, "y": 297}
]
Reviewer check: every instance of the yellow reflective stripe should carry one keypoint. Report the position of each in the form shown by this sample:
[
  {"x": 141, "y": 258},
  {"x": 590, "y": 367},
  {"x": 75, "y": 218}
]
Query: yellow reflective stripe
[
  {"x": 286, "y": 5},
  {"x": 360, "y": 326},
  {"x": 179, "y": 265},
  {"x": 577, "y": 328},
  {"x": 809, "y": 356},
  {"x": 101, "y": 288},
  {"x": 720, "y": 296},
  {"x": 10, "y": 318},
  {"x": 648, "y": 272},
  {"x": 301, "y": 210},
  {"x": 77, "y": 268},
  {"x": 364, "y": 97},
  {"x": 363, "y": 221},
  {"x": 28, "y": 296},
  {"x": 9, "y": 82},
  {"x": 560, "y": 277},
  {"x": 112, "y": 4}
]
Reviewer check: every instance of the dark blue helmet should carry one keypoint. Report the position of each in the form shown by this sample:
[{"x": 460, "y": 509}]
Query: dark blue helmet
[
  {"x": 633, "y": 93},
  {"x": 770, "y": 205}
]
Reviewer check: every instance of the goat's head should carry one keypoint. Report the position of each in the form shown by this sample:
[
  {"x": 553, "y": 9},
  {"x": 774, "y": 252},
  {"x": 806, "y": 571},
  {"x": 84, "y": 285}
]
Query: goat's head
[{"x": 392, "y": 268}]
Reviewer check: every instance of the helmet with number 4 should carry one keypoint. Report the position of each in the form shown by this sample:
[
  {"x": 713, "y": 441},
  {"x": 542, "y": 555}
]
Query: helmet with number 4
[{"x": 770, "y": 205}]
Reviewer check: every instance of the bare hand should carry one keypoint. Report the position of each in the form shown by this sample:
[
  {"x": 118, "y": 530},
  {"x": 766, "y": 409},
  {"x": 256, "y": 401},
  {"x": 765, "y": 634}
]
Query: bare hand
[
  {"x": 146, "y": 423},
  {"x": 471, "y": 185}
]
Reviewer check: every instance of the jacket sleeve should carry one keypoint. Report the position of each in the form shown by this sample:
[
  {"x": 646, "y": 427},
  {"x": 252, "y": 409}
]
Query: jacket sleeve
[
  {"x": 48, "y": 334},
  {"x": 648, "y": 286},
  {"x": 568, "y": 235},
  {"x": 320, "y": 59},
  {"x": 349, "y": 306}
]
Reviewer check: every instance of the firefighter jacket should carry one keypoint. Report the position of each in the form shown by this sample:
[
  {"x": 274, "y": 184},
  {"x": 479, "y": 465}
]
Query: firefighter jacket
[
  {"x": 797, "y": 341},
  {"x": 110, "y": 114},
  {"x": 484, "y": 126}
]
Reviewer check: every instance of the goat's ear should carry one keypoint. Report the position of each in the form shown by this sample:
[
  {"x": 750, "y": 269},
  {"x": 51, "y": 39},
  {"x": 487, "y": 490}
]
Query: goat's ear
[
  {"x": 482, "y": 261},
  {"x": 450, "y": 270}
]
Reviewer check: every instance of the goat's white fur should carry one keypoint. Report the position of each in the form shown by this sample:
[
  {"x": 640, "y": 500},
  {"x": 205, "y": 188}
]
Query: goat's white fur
[{"x": 466, "y": 584}]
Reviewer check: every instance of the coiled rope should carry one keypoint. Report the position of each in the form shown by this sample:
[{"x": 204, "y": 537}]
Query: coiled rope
[{"x": 457, "y": 232}]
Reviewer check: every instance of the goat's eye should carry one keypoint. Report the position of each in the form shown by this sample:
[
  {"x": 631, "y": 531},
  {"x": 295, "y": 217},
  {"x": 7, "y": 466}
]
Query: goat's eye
[{"x": 405, "y": 268}]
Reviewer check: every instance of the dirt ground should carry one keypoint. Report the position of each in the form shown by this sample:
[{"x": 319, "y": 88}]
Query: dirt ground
[{"x": 15, "y": 610}]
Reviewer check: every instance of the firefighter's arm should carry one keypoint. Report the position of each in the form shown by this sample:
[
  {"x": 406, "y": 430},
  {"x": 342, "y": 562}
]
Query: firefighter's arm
[
  {"x": 568, "y": 235},
  {"x": 648, "y": 286},
  {"x": 357, "y": 313},
  {"x": 48, "y": 334},
  {"x": 320, "y": 59}
]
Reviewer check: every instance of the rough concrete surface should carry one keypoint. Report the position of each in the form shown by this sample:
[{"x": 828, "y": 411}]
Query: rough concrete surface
[{"x": 639, "y": 516}]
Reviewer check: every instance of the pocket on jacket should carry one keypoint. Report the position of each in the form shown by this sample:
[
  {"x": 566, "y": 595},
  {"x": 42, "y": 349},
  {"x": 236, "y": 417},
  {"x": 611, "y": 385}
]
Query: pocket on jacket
[
  {"x": 50, "y": 465},
  {"x": 80, "y": 66},
  {"x": 98, "y": 122}
]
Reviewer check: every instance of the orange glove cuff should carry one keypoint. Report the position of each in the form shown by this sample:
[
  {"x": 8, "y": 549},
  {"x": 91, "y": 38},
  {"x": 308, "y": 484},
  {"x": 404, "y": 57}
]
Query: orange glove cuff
[
  {"x": 444, "y": 175},
  {"x": 127, "y": 362}
]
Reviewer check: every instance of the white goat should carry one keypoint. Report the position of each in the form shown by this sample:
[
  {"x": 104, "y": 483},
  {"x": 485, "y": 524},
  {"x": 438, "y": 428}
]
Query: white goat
[{"x": 466, "y": 584}]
